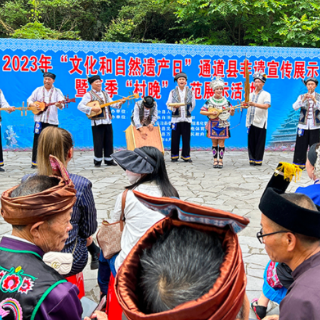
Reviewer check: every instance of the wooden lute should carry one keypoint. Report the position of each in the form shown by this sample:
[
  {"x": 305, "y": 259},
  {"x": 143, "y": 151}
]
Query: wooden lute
[
  {"x": 97, "y": 104},
  {"x": 42, "y": 106}
]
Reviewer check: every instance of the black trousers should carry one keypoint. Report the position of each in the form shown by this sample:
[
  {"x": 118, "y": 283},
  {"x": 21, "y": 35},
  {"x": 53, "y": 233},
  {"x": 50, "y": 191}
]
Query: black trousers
[
  {"x": 35, "y": 141},
  {"x": 102, "y": 142},
  {"x": 302, "y": 143},
  {"x": 181, "y": 129},
  {"x": 1, "y": 152},
  {"x": 256, "y": 144}
]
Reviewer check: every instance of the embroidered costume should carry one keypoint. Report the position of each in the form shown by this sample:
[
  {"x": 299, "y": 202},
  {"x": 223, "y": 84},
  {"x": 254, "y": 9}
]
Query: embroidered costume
[
  {"x": 217, "y": 128},
  {"x": 309, "y": 125},
  {"x": 48, "y": 117},
  {"x": 181, "y": 119},
  {"x": 3, "y": 104},
  {"x": 256, "y": 123},
  {"x": 101, "y": 125},
  {"x": 145, "y": 112}
]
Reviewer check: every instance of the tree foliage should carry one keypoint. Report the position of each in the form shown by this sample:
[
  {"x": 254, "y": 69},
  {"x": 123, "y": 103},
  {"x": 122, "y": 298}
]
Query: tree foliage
[{"x": 223, "y": 22}]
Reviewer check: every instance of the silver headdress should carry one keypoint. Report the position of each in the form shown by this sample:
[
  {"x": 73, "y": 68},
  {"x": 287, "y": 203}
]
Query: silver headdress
[{"x": 217, "y": 83}]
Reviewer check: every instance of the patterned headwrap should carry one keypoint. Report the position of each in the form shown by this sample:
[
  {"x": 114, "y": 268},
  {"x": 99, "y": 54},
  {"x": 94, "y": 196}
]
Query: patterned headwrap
[
  {"x": 260, "y": 75},
  {"x": 48, "y": 74},
  {"x": 41, "y": 206},
  {"x": 225, "y": 298},
  {"x": 217, "y": 83},
  {"x": 311, "y": 79}
]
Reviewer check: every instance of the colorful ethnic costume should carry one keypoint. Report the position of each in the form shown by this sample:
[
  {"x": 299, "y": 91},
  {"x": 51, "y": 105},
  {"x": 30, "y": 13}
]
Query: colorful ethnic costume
[
  {"x": 101, "y": 124},
  {"x": 218, "y": 128},
  {"x": 256, "y": 123},
  {"x": 309, "y": 125},
  {"x": 3, "y": 104},
  {"x": 181, "y": 120},
  {"x": 48, "y": 117},
  {"x": 145, "y": 112}
]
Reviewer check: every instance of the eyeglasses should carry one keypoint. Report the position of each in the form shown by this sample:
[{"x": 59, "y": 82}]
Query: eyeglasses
[{"x": 260, "y": 235}]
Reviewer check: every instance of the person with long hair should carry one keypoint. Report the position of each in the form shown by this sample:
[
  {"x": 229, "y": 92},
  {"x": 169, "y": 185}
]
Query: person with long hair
[
  {"x": 58, "y": 142},
  {"x": 146, "y": 172}
]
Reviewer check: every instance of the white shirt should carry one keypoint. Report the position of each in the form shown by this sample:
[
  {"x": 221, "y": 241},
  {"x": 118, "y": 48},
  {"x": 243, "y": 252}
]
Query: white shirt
[
  {"x": 138, "y": 218},
  {"x": 3, "y": 103},
  {"x": 183, "y": 117},
  {"x": 146, "y": 112},
  {"x": 309, "y": 102},
  {"x": 48, "y": 96},
  {"x": 82, "y": 106},
  {"x": 257, "y": 116}
]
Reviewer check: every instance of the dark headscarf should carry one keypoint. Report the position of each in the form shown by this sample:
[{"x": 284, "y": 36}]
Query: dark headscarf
[
  {"x": 180, "y": 75},
  {"x": 48, "y": 74},
  {"x": 93, "y": 78}
]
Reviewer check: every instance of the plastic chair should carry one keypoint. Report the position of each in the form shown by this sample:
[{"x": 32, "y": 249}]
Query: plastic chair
[
  {"x": 78, "y": 280},
  {"x": 113, "y": 309}
]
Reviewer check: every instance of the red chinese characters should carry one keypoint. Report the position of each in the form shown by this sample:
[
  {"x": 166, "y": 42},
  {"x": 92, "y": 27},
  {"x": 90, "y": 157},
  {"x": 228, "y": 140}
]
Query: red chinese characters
[
  {"x": 205, "y": 68},
  {"x": 120, "y": 67},
  {"x": 232, "y": 69},
  {"x": 196, "y": 87},
  {"x": 299, "y": 69},
  {"x": 208, "y": 92},
  {"x": 312, "y": 68},
  {"x": 75, "y": 60},
  {"x": 89, "y": 65},
  {"x": 218, "y": 68},
  {"x": 81, "y": 87},
  {"x": 134, "y": 67},
  {"x": 149, "y": 67},
  {"x": 273, "y": 69},
  {"x": 242, "y": 68},
  {"x": 237, "y": 90},
  {"x": 154, "y": 89},
  {"x": 286, "y": 69},
  {"x": 176, "y": 66},
  {"x": 45, "y": 63},
  {"x": 140, "y": 87},
  {"x": 111, "y": 86},
  {"x": 106, "y": 66},
  {"x": 259, "y": 66},
  {"x": 163, "y": 64}
]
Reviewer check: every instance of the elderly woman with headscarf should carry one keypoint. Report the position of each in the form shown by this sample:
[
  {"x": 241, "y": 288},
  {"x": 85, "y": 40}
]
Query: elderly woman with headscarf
[{"x": 146, "y": 172}]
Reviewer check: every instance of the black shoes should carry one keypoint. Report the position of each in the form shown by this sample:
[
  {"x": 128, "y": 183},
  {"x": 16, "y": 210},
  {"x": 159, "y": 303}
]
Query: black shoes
[
  {"x": 97, "y": 165},
  {"x": 174, "y": 160},
  {"x": 189, "y": 160},
  {"x": 2, "y": 170},
  {"x": 33, "y": 166},
  {"x": 110, "y": 163},
  {"x": 94, "y": 261}
]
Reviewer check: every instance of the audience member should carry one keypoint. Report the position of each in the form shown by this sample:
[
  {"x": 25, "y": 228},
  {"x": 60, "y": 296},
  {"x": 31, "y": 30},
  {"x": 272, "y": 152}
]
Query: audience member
[
  {"x": 39, "y": 210},
  {"x": 291, "y": 235},
  {"x": 58, "y": 142},
  {"x": 187, "y": 266},
  {"x": 146, "y": 171}
]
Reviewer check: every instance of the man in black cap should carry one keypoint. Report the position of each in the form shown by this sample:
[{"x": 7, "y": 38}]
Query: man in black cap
[
  {"x": 181, "y": 117},
  {"x": 48, "y": 94},
  {"x": 145, "y": 113},
  {"x": 257, "y": 118},
  {"x": 291, "y": 235},
  {"x": 309, "y": 121},
  {"x": 101, "y": 124},
  {"x": 3, "y": 104}
]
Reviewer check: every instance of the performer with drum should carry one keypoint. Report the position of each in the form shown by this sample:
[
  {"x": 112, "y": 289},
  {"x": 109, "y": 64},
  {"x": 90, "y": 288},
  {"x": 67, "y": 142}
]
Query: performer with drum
[
  {"x": 48, "y": 94},
  {"x": 181, "y": 102},
  {"x": 257, "y": 118},
  {"x": 218, "y": 109},
  {"x": 145, "y": 114},
  {"x": 101, "y": 124},
  {"x": 3, "y": 104},
  {"x": 309, "y": 121}
]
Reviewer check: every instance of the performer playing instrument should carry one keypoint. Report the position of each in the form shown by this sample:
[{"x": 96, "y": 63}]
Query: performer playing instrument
[
  {"x": 309, "y": 121},
  {"x": 47, "y": 93},
  {"x": 145, "y": 113},
  {"x": 101, "y": 124},
  {"x": 257, "y": 118},
  {"x": 218, "y": 110},
  {"x": 3, "y": 104},
  {"x": 181, "y": 117}
]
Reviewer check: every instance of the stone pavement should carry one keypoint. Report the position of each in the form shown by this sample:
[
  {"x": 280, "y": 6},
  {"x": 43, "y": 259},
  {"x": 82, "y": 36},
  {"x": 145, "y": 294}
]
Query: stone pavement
[{"x": 236, "y": 188}]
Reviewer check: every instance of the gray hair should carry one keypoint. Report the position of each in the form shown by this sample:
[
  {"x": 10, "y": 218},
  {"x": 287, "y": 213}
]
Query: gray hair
[{"x": 181, "y": 266}]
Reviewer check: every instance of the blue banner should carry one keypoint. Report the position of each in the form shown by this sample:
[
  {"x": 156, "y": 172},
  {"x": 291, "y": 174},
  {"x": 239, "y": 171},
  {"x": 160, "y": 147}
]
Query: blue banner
[{"x": 148, "y": 69}]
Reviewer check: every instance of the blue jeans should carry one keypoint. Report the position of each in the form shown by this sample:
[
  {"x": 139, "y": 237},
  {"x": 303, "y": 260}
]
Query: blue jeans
[{"x": 106, "y": 266}]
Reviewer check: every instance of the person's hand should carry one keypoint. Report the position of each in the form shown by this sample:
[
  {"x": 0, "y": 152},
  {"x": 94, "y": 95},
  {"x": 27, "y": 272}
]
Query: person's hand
[
  {"x": 273, "y": 317},
  {"x": 214, "y": 113},
  {"x": 122, "y": 101},
  {"x": 144, "y": 136},
  {"x": 99, "y": 315},
  {"x": 58, "y": 105},
  {"x": 244, "y": 105},
  {"x": 11, "y": 109},
  {"x": 250, "y": 104},
  {"x": 95, "y": 109},
  {"x": 150, "y": 126}
]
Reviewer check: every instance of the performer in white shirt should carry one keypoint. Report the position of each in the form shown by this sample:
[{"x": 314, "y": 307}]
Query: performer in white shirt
[
  {"x": 47, "y": 93},
  {"x": 257, "y": 118},
  {"x": 181, "y": 118},
  {"x": 309, "y": 121},
  {"x": 145, "y": 113},
  {"x": 3, "y": 104},
  {"x": 101, "y": 124}
]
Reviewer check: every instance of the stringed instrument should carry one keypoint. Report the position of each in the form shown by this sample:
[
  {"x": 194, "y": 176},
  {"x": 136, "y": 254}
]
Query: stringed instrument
[
  {"x": 97, "y": 104},
  {"x": 42, "y": 106},
  {"x": 23, "y": 108},
  {"x": 222, "y": 114}
]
